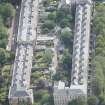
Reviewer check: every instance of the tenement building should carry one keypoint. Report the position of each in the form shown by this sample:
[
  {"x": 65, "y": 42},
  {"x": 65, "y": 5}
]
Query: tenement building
[
  {"x": 80, "y": 58},
  {"x": 20, "y": 91}
]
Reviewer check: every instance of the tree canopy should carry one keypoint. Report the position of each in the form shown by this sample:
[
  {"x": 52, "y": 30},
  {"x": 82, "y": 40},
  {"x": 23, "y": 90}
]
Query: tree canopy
[
  {"x": 99, "y": 26},
  {"x": 92, "y": 100},
  {"x": 66, "y": 36},
  {"x": 79, "y": 101}
]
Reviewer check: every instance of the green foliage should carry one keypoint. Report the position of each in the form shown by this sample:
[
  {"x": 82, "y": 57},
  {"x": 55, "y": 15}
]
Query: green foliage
[
  {"x": 45, "y": 30},
  {"x": 66, "y": 37},
  {"x": 65, "y": 23},
  {"x": 92, "y": 100},
  {"x": 52, "y": 16},
  {"x": 42, "y": 97},
  {"x": 79, "y": 101},
  {"x": 6, "y": 79},
  {"x": 100, "y": 72},
  {"x": 66, "y": 59},
  {"x": 3, "y": 33},
  {"x": 3, "y": 57},
  {"x": 63, "y": 16},
  {"x": 99, "y": 26},
  {"x": 47, "y": 57},
  {"x": 1, "y": 21},
  {"x": 3, "y": 37},
  {"x": 1, "y": 81},
  {"x": 36, "y": 75},
  {"x": 57, "y": 76},
  {"x": 101, "y": 100},
  {"x": 48, "y": 24},
  {"x": 46, "y": 3},
  {"x": 5, "y": 1},
  {"x": 8, "y": 12}
]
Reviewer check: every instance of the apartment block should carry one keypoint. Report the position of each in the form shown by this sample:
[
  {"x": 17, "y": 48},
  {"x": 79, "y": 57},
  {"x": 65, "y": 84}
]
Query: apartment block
[
  {"x": 20, "y": 92},
  {"x": 80, "y": 57}
]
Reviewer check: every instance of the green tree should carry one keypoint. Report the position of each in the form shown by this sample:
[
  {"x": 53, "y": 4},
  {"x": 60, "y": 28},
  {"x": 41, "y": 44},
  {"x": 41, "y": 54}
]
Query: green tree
[
  {"x": 48, "y": 24},
  {"x": 66, "y": 59},
  {"x": 36, "y": 103},
  {"x": 100, "y": 72},
  {"x": 65, "y": 23},
  {"x": 47, "y": 57},
  {"x": 101, "y": 100},
  {"x": 3, "y": 43},
  {"x": 92, "y": 100},
  {"x": 52, "y": 16},
  {"x": 3, "y": 33},
  {"x": 3, "y": 57},
  {"x": 79, "y": 101},
  {"x": 98, "y": 28},
  {"x": 103, "y": 103},
  {"x": 60, "y": 15},
  {"x": 57, "y": 76},
  {"x": 73, "y": 102},
  {"x": 3, "y": 37},
  {"x": 8, "y": 12},
  {"x": 46, "y": 3},
  {"x": 1, "y": 21},
  {"x": 45, "y": 30},
  {"x": 1, "y": 80},
  {"x": 63, "y": 13},
  {"x": 45, "y": 99},
  {"x": 66, "y": 37}
]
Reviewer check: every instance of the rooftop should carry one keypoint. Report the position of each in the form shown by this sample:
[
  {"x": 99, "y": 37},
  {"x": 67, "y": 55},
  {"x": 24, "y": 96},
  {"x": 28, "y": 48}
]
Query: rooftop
[
  {"x": 25, "y": 30},
  {"x": 22, "y": 68},
  {"x": 20, "y": 85}
]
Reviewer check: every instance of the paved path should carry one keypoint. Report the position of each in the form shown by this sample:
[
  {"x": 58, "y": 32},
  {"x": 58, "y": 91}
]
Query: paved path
[
  {"x": 44, "y": 38},
  {"x": 10, "y": 33}
]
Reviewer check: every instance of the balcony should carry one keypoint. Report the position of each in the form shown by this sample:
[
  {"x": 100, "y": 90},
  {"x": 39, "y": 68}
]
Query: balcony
[
  {"x": 83, "y": 40},
  {"x": 74, "y": 71},
  {"x": 81, "y": 68},
  {"x": 76, "y": 41},
  {"x": 82, "y": 47},
  {"x": 76, "y": 47},
  {"x": 83, "y": 30},
  {"x": 84, "y": 24},
  {"x": 80, "y": 81},
  {"x": 82, "y": 54},
  {"x": 75, "y": 67},
  {"x": 74, "y": 81},
  {"x": 84, "y": 18},
  {"x": 78, "y": 19}
]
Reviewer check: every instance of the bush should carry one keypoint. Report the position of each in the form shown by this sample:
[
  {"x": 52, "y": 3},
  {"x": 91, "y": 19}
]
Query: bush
[
  {"x": 45, "y": 3},
  {"x": 92, "y": 100},
  {"x": 52, "y": 16},
  {"x": 3, "y": 33},
  {"x": 8, "y": 12},
  {"x": 47, "y": 57},
  {"x": 79, "y": 101},
  {"x": 65, "y": 23},
  {"x": 3, "y": 57},
  {"x": 45, "y": 30},
  {"x": 66, "y": 36},
  {"x": 66, "y": 59},
  {"x": 48, "y": 24}
]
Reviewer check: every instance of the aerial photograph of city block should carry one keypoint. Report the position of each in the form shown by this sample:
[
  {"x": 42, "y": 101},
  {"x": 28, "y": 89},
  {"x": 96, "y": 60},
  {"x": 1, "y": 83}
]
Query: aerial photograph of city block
[{"x": 52, "y": 52}]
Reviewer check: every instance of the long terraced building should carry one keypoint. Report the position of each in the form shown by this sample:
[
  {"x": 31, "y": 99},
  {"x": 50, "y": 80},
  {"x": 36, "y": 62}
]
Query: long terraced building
[
  {"x": 20, "y": 91},
  {"x": 80, "y": 58}
]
